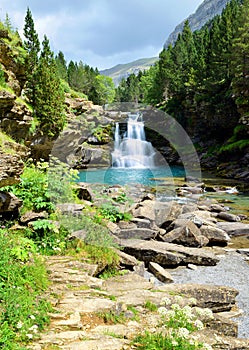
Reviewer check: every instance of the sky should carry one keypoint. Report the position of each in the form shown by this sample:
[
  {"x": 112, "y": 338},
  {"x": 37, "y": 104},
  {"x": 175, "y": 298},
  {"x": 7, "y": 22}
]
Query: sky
[{"x": 101, "y": 33}]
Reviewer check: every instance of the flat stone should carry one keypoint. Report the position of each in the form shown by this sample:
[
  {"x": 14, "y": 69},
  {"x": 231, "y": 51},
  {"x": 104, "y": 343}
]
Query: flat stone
[
  {"x": 228, "y": 217},
  {"x": 167, "y": 254},
  {"x": 139, "y": 233},
  {"x": 234, "y": 228},
  {"x": 160, "y": 273}
]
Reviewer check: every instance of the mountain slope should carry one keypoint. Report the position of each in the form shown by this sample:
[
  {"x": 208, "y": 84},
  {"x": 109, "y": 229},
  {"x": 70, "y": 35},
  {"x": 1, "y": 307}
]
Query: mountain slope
[
  {"x": 206, "y": 11},
  {"x": 121, "y": 71}
]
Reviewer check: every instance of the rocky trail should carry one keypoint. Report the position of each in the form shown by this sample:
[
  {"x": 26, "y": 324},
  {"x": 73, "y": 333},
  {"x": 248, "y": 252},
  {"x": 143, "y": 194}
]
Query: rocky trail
[{"x": 91, "y": 313}]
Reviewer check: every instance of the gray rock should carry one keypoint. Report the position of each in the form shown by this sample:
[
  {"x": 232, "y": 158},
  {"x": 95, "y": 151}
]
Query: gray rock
[
  {"x": 160, "y": 273},
  {"x": 234, "y": 228},
  {"x": 166, "y": 213},
  {"x": 228, "y": 217},
  {"x": 167, "y": 254},
  {"x": 32, "y": 216},
  {"x": 9, "y": 205},
  {"x": 216, "y": 208},
  {"x": 141, "y": 223},
  {"x": 187, "y": 234},
  {"x": 215, "y": 235},
  {"x": 139, "y": 233}
]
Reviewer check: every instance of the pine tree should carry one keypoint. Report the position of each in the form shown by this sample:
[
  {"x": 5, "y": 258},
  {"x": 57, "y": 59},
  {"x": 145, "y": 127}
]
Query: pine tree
[
  {"x": 62, "y": 66},
  {"x": 49, "y": 93},
  {"x": 32, "y": 46},
  {"x": 240, "y": 60}
]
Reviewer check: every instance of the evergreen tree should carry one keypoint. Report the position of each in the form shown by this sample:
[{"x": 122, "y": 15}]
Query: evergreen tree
[
  {"x": 32, "y": 46},
  {"x": 240, "y": 60},
  {"x": 62, "y": 66},
  {"x": 49, "y": 93}
]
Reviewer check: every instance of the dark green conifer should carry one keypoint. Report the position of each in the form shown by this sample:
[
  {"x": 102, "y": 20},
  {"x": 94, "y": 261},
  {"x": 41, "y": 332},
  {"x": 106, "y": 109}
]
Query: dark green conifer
[
  {"x": 32, "y": 46},
  {"x": 49, "y": 93}
]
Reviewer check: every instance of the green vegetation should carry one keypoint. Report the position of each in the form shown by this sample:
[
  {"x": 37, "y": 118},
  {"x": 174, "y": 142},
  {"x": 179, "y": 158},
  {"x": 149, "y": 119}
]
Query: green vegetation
[
  {"x": 202, "y": 80},
  {"x": 150, "y": 306},
  {"x": 23, "y": 313},
  {"x": 33, "y": 189},
  {"x": 178, "y": 323}
]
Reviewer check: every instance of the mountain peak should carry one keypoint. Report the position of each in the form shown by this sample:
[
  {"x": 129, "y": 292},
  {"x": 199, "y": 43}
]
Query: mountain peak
[{"x": 205, "y": 12}]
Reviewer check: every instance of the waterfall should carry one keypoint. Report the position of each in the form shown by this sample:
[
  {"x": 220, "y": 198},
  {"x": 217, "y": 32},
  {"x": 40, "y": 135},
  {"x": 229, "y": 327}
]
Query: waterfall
[{"x": 131, "y": 150}]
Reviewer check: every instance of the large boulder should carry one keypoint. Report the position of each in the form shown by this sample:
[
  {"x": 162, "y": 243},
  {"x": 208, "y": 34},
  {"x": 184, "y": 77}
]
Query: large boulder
[
  {"x": 9, "y": 205},
  {"x": 167, "y": 254},
  {"x": 215, "y": 235},
  {"x": 188, "y": 235}
]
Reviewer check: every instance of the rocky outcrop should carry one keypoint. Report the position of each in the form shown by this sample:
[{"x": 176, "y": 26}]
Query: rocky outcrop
[
  {"x": 205, "y": 12},
  {"x": 11, "y": 64},
  {"x": 86, "y": 142}
]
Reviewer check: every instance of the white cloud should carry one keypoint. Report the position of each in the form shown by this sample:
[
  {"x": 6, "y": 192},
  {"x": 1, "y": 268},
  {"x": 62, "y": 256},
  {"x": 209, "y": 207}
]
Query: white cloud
[{"x": 102, "y": 32}]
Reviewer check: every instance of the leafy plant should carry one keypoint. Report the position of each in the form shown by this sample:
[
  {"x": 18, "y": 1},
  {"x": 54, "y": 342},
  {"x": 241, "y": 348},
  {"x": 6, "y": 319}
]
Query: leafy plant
[
  {"x": 33, "y": 189},
  {"x": 111, "y": 212},
  {"x": 61, "y": 180}
]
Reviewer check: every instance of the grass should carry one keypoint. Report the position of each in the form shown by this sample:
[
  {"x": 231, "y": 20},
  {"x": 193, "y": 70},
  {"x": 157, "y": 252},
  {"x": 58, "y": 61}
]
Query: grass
[
  {"x": 235, "y": 146},
  {"x": 6, "y": 142},
  {"x": 150, "y": 306}
]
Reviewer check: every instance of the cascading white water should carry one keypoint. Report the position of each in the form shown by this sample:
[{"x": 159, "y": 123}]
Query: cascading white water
[{"x": 132, "y": 150}]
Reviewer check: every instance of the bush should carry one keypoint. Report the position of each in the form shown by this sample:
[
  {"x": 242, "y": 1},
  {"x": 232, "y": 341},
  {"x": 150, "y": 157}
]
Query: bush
[{"x": 33, "y": 189}]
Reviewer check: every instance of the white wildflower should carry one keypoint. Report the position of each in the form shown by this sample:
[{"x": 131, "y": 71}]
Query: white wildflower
[
  {"x": 30, "y": 336},
  {"x": 187, "y": 310},
  {"x": 199, "y": 325},
  {"x": 192, "y": 301},
  {"x": 175, "y": 307},
  {"x": 178, "y": 299},
  {"x": 32, "y": 317},
  {"x": 171, "y": 314},
  {"x": 19, "y": 325},
  {"x": 207, "y": 313},
  {"x": 174, "y": 342},
  {"x": 34, "y": 328},
  {"x": 183, "y": 333},
  {"x": 166, "y": 301},
  {"x": 162, "y": 310}
]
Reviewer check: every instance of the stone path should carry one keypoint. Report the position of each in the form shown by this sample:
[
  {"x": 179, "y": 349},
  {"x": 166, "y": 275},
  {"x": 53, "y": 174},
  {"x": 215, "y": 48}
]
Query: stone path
[{"x": 94, "y": 314}]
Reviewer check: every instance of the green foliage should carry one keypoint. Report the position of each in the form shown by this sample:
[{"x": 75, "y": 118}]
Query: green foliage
[
  {"x": 234, "y": 146},
  {"x": 105, "y": 90},
  {"x": 32, "y": 47},
  {"x": 178, "y": 323},
  {"x": 159, "y": 341},
  {"x": 111, "y": 212},
  {"x": 49, "y": 94},
  {"x": 22, "y": 278},
  {"x": 33, "y": 188},
  {"x": 61, "y": 180},
  {"x": 150, "y": 306},
  {"x": 48, "y": 236},
  {"x": 2, "y": 78}
]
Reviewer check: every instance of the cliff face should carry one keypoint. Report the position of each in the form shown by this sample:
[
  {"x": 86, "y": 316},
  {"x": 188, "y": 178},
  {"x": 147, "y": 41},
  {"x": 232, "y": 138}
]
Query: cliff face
[
  {"x": 205, "y": 12},
  {"x": 15, "y": 116}
]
